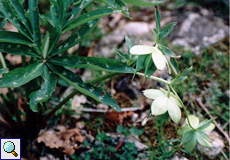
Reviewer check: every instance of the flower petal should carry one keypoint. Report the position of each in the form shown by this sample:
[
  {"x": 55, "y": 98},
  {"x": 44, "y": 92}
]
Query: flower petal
[
  {"x": 193, "y": 120},
  {"x": 209, "y": 128},
  {"x": 153, "y": 93},
  {"x": 174, "y": 110},
  {"x": 141, "y": 50},
  {"x": 158, "y": 58},
  {"x": 203, "y": 139},
  {"x": 159, "y": 106},
  {"x": 183, "y": 130}
]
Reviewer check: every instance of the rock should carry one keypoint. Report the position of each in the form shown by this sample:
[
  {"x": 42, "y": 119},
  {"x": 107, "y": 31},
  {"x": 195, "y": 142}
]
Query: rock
[
  {"x": 198, "y": 31},
  {"x": 177, "y": 156},
  {"x": 217, "y": 145},
  {"x": 136, "y": 30}
]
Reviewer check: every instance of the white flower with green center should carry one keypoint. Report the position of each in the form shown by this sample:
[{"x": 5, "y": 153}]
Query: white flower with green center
[
  {"x": 162, "y": 103},
  {"x": 195, "y": 133},
  {"x": 159, "y": 59}
]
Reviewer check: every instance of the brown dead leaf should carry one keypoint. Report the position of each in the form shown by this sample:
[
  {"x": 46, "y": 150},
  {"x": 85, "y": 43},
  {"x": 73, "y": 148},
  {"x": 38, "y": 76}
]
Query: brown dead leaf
[
  {"x": 69, "y": 133},
  {"x": 65, "y": 139},
  {"x": 51, "y": 139},
  {"x": 4, "y": 91},
  {"x": 69, "y": 151},
  {"x": 113, "y": 118}
]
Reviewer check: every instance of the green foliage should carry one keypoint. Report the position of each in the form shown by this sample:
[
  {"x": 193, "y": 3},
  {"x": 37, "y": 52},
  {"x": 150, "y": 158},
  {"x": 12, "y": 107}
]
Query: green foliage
[
  {"x": 105, "y": 147},
  {"x": 29, "y": 42}
]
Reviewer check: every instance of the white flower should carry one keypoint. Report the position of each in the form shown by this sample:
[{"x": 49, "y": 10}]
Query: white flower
[
  {"x": 163, "y": 103},
  {"x": 195, "y": 123},
  {"x": 157, "y": 56}
]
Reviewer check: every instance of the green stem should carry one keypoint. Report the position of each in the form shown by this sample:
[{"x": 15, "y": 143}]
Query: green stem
[
  {"x": 23, "y": 61},
  {"x": 2, "y": 60},
  {"x": 154, "y": 78},
  {"x": 66, "y": 99},
  {"x": 17, "y": 112},
  {"x": 186, "y": 112}
]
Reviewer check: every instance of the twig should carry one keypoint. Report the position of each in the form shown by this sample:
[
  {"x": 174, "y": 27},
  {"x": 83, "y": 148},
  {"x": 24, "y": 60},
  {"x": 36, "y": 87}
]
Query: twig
[
  {"x": 105, "y": 110},
  {"x": 210, "y": 116}
]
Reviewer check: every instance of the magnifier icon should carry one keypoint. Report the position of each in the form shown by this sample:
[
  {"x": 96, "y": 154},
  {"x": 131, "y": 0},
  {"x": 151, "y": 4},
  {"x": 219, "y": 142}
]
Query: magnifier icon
[{"x": 9, "y": 147}]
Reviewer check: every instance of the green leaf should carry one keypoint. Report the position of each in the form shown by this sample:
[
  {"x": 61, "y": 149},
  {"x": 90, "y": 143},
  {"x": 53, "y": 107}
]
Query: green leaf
[
  {"x": 3, "y": 23},
  {"x": 54, "y": 11},
  {"x": 203, "y": 139},
  {"x": 124, "y": 57},
  {"x": 73, "y": 77},
  {"x": 89, "y": 16},
  {"x": 76, "y": 10},
  {"x": 21, "y": 76},
  {"x": 76, "y": 38},
  {"x": 182, "y": 76},
  {"x": 174, "y": 65},
  {"x": 6, "y": 9},
  {"x": 186, "y": 71},
  {"x": 158, "y": 20},
  {"x": 95, "y": 92},
  {"x": 128, "y": 43},
  {"x": 204, "y": 124},
  {"x": 141, "y": 62},
  {"x": 96, "y": 63},
  {"x": 45, "y": 45},
  {"x": 190, "y": 145},
  {"x": 166, "y": 30},
  {"x": 3, "y": 70},
  {"x": 142, "y": 3},
  {"x": 148, "y": 63},
  {"x": 13, "y": 37},
  {"x": 43, "y": 94},
  {"x": 21, "y": 13},
  {"x": 34, "y": 19},
  {"x": 183, "y": 130},
  {"x": 18, "y": 49},
  {"x": 166, "y": 51},
  {"x": 188, "y": 136}
]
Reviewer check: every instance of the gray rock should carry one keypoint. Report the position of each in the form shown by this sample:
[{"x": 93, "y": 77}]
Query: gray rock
[
  {"x": 133, "y": 29},
  {"x": 177, "y": 156},
  {"x": 217, "y": 146},
  {"x": 198, "y": 31}
]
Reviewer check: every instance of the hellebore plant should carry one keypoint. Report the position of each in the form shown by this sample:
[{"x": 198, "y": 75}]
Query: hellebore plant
[
  {"x": 164, "y": 102},
  {"x": 157, "y": 56},
  {"x": 195, "y": 133},
  {"x": 49, "y": 61}
]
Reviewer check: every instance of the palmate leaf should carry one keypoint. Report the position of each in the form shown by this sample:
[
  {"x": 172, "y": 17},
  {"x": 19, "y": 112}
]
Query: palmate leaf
[
  {"x": 76, "y": 38},
  {"x": 96, "y": 93},
  {"x": 67, "y": 73},
  {"x": 54, "y": 11},
  {"x": 103, "y": 64},
  {"x": 34, "y": 19},
  {"x": 6, "y": 9},
  {"x": 76, "y": 10},
  {"x": 89, "y": 16},
  {"x": 13, "y": 37},
  {"x": 46, "y": 90},
  {"x": 21, "y": 76},
  {"x": 18, "y": 49},
  {"x": 142, "y": 3},
  {"x": 21, "y": 13}
]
